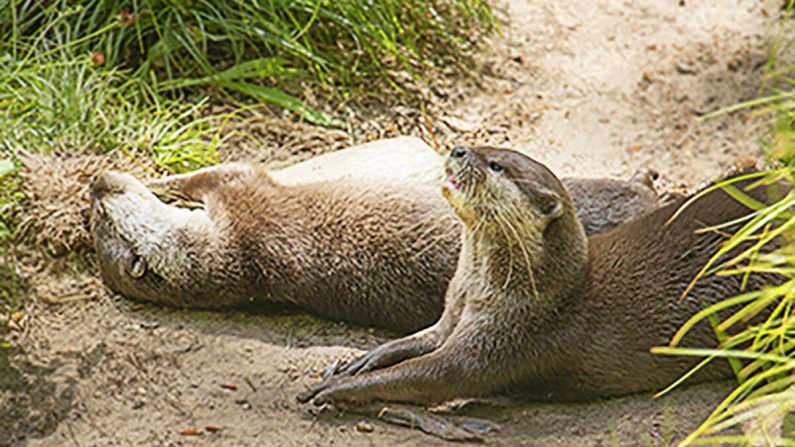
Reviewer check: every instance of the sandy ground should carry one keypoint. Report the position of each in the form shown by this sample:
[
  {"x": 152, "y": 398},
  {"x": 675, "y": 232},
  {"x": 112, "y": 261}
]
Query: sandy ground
[{"x": 592, "y": 88}]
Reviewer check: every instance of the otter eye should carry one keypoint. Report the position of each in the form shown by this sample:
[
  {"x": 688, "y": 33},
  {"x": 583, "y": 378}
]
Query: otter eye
[
  {"x": 494, "y": 166},
  {"x": 137, "y": 267}
]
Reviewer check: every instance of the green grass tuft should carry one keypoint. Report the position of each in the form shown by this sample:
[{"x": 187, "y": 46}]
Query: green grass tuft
[
  {"x": 258, "y": 48},
  {"x": 762, "y": 355},
  {"x": 137, "y": 74}
]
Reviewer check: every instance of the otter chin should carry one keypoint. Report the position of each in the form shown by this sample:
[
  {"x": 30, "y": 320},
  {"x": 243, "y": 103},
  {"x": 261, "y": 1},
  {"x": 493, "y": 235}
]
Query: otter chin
[
  {"x": 537, "y": 309},
  {"x": 449, "y": 186}
]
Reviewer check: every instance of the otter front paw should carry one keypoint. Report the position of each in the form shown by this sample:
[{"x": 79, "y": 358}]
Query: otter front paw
[
  {"x": 170, "y": 195},
  {"x": 313, "y": 391},
  {"x": 351, "y": 390},
  {"x": 385, "y": 355},
  {"x": 344, "y": 390}
]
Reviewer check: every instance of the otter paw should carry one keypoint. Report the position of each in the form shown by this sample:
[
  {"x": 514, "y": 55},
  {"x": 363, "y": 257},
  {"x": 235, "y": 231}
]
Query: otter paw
[
  {"x": 343, "y": 390},
  {"x": 313, "y": 391},
  {"x": 375, "y": 359},
  {"x": 388, "y": 354},
  {"x": 458, "y": 429},
  {"x": 172, "y": 196}
]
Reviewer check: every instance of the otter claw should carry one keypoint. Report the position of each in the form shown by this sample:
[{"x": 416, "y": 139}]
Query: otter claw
[
  {"x": 313, "y": 391},
  {"x": 163, "y": 192},
  {"x": 344, "y": 390},
  {"x": 354, "y": 367},
  {"x": 336, "y": 368},
  {"x": 173, "y": 197},
  {"x": 380, "y": 357}
]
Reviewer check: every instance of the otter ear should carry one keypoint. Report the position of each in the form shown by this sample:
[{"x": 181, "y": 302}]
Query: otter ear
[{"x": 551, "y": 206}]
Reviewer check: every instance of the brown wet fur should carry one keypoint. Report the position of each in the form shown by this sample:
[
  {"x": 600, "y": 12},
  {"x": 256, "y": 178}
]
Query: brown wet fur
[
  {"x": 362, "y": 252},
  {"x": 558, "y": 317}
]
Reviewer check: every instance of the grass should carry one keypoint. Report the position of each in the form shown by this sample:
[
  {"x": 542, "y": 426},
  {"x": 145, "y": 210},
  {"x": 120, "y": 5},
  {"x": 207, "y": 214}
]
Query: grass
[
  {"x": 138, "y": 74},
  {"x": 54, "y": 106},
  {"x": 257, "y": 48},
  {"x": 762, "y": 354}
]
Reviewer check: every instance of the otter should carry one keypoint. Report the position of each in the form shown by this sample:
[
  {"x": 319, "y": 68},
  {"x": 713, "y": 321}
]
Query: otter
[
  {"x": 538, "y": 307},
  {"x": 369, "y": 251}
]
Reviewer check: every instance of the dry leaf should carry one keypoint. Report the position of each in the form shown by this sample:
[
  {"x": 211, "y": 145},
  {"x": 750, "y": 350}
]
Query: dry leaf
[{"x": 190, "y": 431}]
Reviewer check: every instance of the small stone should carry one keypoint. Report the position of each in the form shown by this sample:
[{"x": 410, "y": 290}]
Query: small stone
[
  {"x": 243, "y": 404},
  {"x": 685, "y": 69},
  {"x": 364, "y": 427}
]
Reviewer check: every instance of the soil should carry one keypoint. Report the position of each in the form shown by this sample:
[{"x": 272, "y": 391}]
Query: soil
[{"x": 592, "y": 88}]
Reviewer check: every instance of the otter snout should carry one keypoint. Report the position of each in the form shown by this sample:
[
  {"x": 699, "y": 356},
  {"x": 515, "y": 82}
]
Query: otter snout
[
  {"x": 456, "y": 159},
  {"x": 462, "y": 168},
  {"x": 452, "y": 168}
]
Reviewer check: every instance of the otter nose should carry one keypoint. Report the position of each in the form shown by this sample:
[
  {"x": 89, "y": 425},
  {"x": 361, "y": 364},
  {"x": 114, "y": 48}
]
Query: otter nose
[{"x": 458, "y": 152}]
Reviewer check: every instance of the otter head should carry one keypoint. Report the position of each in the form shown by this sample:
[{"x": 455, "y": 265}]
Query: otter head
[
  {"x": 512, "y": 203},
  {"x": 138, "y": 240},
  {"x": 485, "y": 183}
]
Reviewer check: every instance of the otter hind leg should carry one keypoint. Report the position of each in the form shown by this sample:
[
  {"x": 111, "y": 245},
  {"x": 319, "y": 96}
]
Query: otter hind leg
[{"x": 457, "y": 429}]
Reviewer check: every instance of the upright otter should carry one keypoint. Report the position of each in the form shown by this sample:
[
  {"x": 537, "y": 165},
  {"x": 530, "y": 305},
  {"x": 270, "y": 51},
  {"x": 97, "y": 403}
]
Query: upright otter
[
  {"x": 374, "y": 252},
  {"x": 536, "y": 304}
]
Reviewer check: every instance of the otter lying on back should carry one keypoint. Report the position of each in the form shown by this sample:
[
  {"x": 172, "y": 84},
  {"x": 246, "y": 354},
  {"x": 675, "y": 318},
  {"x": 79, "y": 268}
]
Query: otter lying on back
[
  {"x": 370, "y": 252},
  {"x": 535, "y": 303}
]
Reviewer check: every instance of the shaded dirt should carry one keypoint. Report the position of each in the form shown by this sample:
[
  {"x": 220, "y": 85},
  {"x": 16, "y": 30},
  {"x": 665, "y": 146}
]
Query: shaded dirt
[{"x": 592, "y": 88}]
